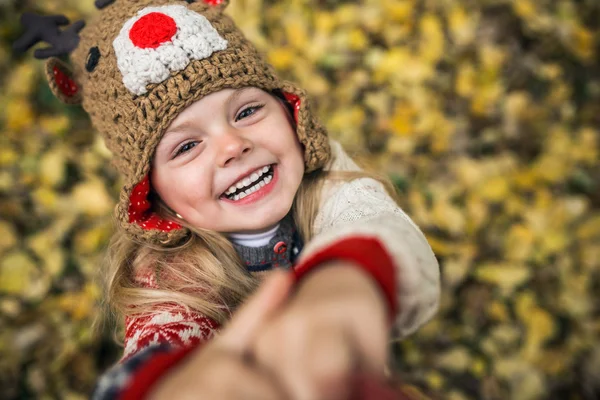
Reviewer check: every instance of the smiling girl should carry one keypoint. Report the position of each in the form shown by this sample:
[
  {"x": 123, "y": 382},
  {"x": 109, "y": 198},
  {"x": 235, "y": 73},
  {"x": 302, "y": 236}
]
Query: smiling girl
[{"x": 253, "y": 258}]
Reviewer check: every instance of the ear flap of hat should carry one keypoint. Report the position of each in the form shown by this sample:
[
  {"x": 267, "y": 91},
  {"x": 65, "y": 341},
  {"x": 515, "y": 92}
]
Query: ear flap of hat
[
  {"x": 311, "y": 133},
  {"x": 62, "y": 82}
]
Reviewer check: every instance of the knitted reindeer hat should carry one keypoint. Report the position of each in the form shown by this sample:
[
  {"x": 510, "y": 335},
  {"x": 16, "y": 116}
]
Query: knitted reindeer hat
[{"x": 140, "y": 63}]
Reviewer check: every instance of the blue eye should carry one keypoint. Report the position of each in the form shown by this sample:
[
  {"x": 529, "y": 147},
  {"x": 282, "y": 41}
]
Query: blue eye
[
  {"x": 248, "y": 111},
  {"x": 185, "y": 148}
]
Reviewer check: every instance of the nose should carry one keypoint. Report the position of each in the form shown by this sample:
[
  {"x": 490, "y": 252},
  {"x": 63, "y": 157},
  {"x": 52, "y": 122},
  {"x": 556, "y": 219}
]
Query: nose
[
  {"x": 232, "y": 146},
  {"x": 152, "y": 30}
]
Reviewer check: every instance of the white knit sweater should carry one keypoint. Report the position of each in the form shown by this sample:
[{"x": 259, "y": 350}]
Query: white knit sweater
[{"x": 363, "y": 207}]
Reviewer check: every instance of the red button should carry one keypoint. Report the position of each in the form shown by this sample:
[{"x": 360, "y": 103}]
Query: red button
[
  {"x": 280, "y": 248},
  {"x": 152, "y": 30}
]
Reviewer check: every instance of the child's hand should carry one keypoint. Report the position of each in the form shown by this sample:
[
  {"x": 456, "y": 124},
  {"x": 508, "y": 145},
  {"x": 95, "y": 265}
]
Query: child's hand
[
  {"x": 335, "y": 325},
  {"x": 221, "y": 369}
]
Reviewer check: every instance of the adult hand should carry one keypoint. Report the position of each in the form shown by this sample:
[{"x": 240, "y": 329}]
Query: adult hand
[
  {"x": 334, "y": 326},
  {"x": 221, "y": 369}
]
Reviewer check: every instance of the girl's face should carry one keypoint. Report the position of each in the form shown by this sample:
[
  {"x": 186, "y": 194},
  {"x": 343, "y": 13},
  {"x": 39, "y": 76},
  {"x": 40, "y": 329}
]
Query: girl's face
[{"x": 232, "y": 139}]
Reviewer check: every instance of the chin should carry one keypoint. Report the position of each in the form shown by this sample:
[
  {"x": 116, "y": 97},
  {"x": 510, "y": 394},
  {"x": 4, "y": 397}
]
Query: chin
[{"x": 264, "y": 222}]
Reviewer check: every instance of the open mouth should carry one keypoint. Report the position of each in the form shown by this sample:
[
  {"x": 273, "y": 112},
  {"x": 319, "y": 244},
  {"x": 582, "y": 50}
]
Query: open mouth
[{"x": 250, "y": 184}]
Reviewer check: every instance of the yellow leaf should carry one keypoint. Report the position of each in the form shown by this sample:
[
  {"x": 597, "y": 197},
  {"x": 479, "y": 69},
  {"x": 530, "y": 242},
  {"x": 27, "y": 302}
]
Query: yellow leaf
[
  {"x": 462, "y": 25},
  {"x": 494, "y": 189},
  {"x": 53, "y": 167},
  {"x": 435, "y": 380},
  {"x": 449, "y": 217},
  {"x": 525, "y": 380},
  {"x": 10, "y": 308},
  {"x": 398, "y": 10},
  {"x": 467, "y": 171},
  {"x": 441, "y": 247},
  {"x": 55, "y": 124},
  {"x": 515, "y": 106},
  {"x": 553, "y": 241},
  {"x": 525, "y": 178},
  {"x": 346, "y": 13},
  {"x": 552, "y": 169},
  {"x": 585, "y": 148},
  {"x": 583, "y": 43},
  {"x": 46, "y": 199},
  {"x": 590, "y": 256},
  {"x": 357, "y": 40},
  {"x": 324, "y": 21},
  {"x": 478, "y": 367},
  {"x": 99, "y": 147},
  {"x": 519, "y": 243},
  {"x": 486, "y": 98},
  {"x": 54, "y": 261},
  {"x": 555, "y": 362},
  {"x": 403, "y": 120},
  {"x": 574, "y": 299},
  {"x": 79, "y": 305},
  {"x": 505, "y": 276},
  {"x": 90, "y": 240},
  {"x": 454, "y": 272},
  {"x": 525, "y": 8},
  {"x": 465, "y": 80},
  {"x": 91, "y": 198},
  {"x": 8, "y": 155},
  {"x": 456, "y": 360},
  {"x": 590, "y": 228},
  {"x": 21, "y": 81},
  {"x": 418, "y": 206},
  {"x": 44, "y": 241},
  {"x": 8, "y": 237},
  {"x": 550, "y": 72},
  {"x": 296, "y": 32},
  {"x": 17, "y": 271},
  {"x": 432, "y": 38},
  {"x": 492, "y": 58},
  {"x": 538, "y": 323},
  {"x": 540, "y": 327},
  {"x": 498, "y": 311},
  {"x": 19, "y": 115},
  {"x": 281, "y": 58}
]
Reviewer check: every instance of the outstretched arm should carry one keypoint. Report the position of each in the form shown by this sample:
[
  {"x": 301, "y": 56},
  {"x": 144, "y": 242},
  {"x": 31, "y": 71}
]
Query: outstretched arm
[{"x": 358, "y": 221}]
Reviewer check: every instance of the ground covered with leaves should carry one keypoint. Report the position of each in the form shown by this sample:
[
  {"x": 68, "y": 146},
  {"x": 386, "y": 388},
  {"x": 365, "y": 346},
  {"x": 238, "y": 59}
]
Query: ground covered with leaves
[{"x": 485, "y": 113}]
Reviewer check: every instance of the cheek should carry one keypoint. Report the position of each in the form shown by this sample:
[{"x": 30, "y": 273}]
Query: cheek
[
  {"x": 194, "y": 184},
  {"x": 195, "y": 193},
  {"x": 178, "y": 187}
]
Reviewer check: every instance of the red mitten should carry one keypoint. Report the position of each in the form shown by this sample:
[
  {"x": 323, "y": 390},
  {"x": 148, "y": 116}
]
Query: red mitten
[{"x": 368, "y": 388}]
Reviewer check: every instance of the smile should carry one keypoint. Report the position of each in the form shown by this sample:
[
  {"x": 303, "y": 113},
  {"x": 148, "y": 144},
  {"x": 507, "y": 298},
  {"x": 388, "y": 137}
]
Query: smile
[{"x": 250, "y": 184}]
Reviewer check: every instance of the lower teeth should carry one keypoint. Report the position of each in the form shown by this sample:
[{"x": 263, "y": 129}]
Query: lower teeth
[{"x": 257, "y": 186}]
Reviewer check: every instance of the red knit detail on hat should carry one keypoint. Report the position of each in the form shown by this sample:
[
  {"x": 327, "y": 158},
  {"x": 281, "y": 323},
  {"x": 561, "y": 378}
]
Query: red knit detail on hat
[
  {"x": 140, "y": 210},
  {"x": 213, "y": 2},
  {"x": 152, "y": 30},
  {"x": 295, "y": 102},
  {"x": 65, "y": 84}
]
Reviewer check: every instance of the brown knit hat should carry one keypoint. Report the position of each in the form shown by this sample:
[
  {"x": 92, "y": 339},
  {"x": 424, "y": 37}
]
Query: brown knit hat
[{"x": 138, "y": 64}]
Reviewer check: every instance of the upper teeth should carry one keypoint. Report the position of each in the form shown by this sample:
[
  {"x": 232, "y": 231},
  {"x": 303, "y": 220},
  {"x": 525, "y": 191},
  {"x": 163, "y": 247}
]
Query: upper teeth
[{"x": 253, "y": 177}]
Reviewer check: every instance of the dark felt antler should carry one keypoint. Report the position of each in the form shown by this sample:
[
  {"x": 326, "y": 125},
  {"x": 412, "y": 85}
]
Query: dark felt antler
[
  {"x": 100, "y": 4},
  {"x": 46, "y": 28}
]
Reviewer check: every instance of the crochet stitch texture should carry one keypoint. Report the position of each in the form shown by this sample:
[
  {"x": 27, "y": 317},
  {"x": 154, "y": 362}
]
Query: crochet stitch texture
[{"x": 144, "y": 75}]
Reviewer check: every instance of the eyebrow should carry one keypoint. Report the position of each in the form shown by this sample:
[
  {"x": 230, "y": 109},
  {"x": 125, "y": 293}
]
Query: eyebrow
[
  {"x": 236, "y": 95},
  {"x": 233, "y": 97}
]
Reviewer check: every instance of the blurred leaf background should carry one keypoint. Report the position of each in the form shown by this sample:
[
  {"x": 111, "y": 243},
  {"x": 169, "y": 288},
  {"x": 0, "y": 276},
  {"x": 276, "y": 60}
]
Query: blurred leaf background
[{"x": 485, "y": 113}]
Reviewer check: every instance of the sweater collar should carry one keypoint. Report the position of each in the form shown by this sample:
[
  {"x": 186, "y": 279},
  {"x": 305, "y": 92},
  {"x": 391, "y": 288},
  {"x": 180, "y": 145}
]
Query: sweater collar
[{"x": 281, "y": 251}]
